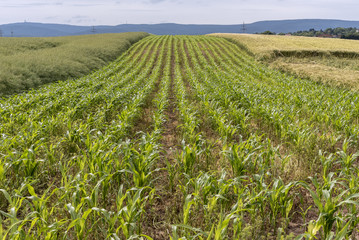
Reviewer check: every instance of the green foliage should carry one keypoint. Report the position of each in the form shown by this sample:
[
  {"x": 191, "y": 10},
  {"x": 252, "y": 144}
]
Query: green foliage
[
  {"x": 346, "y": 33},
  {"x": 261, "y": 151},
  {"x": 268, "y": 33}
]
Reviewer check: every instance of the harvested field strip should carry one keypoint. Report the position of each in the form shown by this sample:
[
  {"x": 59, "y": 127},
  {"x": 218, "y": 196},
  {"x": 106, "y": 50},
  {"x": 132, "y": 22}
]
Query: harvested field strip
[{"x": 333, "y": 62}]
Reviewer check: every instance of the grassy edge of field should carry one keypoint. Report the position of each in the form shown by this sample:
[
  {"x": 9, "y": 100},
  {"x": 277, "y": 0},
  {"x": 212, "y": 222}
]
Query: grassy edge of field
[{"x": 28, "y": 63}]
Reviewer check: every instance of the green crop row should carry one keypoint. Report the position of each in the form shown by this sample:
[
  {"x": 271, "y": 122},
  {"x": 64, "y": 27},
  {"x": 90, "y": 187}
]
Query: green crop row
[
  {"x": 180, "y": 138},
  {"x": 220, "y": 80},
  {"x": 60, "y": 167}
]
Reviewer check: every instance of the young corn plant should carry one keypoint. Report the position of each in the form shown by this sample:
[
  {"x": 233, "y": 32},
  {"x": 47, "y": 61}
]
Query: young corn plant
[
  {"x": 347, "y": 159},
  {"x": 78, "y": 219},
  {"x": 218, "y": 231},
  {"x": 173, "y": 170},
  {"x": 13, "y": 225},
  {"x": 139, "y": 163},
  {"x": 242, "y": 157},
  {"x": 30, "y": 162},
  {"x": 130, "y": 208},
  {"x": 280, "y": 201},
  {"x": 190, "y": 202},
  {"x": 3, "y": 170},
  {"x": 219, "y": 195},
  {"x": 330, "y": 200},
  {"x": 189, "y": 156},
  {"x": 41, "y": 214}
]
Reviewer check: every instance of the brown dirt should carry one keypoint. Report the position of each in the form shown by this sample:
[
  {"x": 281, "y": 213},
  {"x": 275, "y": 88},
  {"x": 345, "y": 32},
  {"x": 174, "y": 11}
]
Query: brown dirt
[
  {"x": 166, "y": 203},
  {"x": 187, "y": 54},
  {"x": 145, "y": 121},
  {"x": 206, "y": 127}
]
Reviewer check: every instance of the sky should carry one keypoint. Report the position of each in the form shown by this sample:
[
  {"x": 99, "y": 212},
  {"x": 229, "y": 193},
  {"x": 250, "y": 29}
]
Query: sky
[{"x": 114, "y": 12}]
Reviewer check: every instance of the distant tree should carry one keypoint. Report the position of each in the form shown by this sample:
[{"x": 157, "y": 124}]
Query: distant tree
[
  {"x": 0, "y": 33},
  {"x": 268, "y": 33},
  {"x": 354, "y": 36},
  {"x": 281, "y": 33},
  {"x": 339, "y": 31},
  {"x": 348, "y": 33},
  {"x": 329, "y": 31}
]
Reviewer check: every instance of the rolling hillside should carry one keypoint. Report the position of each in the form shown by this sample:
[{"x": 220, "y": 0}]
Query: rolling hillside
[{"x": 47, "y": 30}]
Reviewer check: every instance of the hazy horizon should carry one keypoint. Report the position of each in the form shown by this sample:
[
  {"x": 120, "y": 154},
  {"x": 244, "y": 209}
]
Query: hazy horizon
[
  {"x": 240, "y": 23},
  {"x": 114, "y": 12}
]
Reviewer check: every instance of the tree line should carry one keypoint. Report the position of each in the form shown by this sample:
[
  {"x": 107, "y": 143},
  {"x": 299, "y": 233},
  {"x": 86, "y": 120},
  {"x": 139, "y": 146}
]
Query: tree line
[{"x": 339, "y": 32}]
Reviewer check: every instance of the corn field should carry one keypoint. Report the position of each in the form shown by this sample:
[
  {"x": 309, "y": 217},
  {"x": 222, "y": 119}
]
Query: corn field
[{"x": 182, "y": 137}]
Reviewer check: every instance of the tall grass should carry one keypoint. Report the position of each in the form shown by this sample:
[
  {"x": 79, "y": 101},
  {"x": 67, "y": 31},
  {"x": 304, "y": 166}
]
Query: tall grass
[{"x": 30, "y": 62}]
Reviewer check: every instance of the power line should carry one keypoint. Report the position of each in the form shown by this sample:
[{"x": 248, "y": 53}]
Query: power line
[{"x": 244, "y": 28}]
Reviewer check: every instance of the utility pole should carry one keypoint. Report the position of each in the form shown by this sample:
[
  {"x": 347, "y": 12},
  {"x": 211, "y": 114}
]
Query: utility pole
[
  {"x": 12, "y": 33},
  {"x": 0, "y": 33},
  {"x": 93, "y": 30},
  {"x": 243, "y": 28}
]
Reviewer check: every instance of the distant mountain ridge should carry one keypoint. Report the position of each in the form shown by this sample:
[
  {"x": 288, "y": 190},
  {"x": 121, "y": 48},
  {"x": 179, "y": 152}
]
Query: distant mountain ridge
[{"x": 29, "y": 29}]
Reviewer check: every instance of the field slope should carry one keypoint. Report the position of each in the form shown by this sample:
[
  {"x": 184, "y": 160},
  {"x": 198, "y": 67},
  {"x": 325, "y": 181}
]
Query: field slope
[
  {"x": 183, "y": 137},
  {"x": 30, "y": 62}
]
